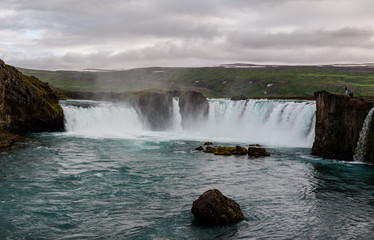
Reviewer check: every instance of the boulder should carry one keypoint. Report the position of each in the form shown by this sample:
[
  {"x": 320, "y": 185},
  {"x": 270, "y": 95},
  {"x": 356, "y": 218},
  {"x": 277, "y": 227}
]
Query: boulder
[
  {"x": 208, "y": 143},
  {"x": 257, "y": 151},
  {"x": 214, "y": 208},
  {"x": 27, "y": 104},
  {"x": 193, "y": 107},
  {"x": 155, "y": 107}
]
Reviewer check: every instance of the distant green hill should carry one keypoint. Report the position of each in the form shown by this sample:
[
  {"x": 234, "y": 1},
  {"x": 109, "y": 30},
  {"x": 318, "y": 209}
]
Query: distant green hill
[{"x": 229, "y": 80}]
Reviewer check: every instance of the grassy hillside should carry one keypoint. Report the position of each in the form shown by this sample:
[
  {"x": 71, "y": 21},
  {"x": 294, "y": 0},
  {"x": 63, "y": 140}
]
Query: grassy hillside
[{"x": 248, "y": 80}]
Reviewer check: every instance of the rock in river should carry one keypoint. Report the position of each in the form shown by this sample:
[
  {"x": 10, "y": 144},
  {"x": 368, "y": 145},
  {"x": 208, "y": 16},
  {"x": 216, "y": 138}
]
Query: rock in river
[
  {"x": 214, "y": 208},
  {"x": 257, "y": 151}
]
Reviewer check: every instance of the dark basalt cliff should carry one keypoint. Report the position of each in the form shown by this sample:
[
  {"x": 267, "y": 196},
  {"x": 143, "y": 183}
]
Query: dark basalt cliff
[
  {"x": 26, "y": 105},
  {"x": 339, "y": 120},
  {"x": 155, "y": 107}
]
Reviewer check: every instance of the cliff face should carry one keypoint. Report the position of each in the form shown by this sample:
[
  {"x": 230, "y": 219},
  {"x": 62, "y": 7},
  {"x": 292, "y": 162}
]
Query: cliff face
[
  {"x": 155, "y": 107},
  {"x": 27, "y": 104},
  {"x": 339, "y": 120}
]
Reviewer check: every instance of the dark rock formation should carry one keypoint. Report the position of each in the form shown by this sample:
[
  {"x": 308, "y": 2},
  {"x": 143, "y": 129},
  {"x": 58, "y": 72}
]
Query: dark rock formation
[
  {"x": 7, "y": 139},
  {"x": 210, "y": 149},
  {"x": 339, "y": 120},
  {"x": 227, "y": 151},
  {"x": 257, "y": 151},
  {"x": 208, "y": 143},
  {"x": 214, "y": 208},
  {"x": 239, "y": 150},
  {"x": 154, "y": 106},
  {"x": 193, "y": 107},
  {"x": 200, "y": 148},
  {"x": 27, "y": 104}
]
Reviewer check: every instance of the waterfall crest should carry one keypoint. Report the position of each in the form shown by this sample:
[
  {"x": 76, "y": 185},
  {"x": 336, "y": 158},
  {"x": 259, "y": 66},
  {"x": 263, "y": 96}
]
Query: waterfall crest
[
  {"x": 362, "y": 141},
  {"x": 268, "y": 122}
]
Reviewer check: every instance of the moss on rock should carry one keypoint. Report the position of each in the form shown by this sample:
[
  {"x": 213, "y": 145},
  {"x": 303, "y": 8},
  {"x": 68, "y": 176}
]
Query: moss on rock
[
  {"x": 257, "y": 151},
  {"x": 27, "y": 104}
]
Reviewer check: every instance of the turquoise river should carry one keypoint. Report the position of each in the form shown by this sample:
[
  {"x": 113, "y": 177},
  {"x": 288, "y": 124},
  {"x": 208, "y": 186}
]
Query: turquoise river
[{"x": 109, "y": 177}]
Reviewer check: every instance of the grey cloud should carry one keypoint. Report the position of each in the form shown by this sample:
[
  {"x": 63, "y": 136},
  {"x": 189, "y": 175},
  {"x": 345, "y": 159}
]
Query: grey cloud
[
  {"x": 119, "y": 34},
  {"x": 345, "y": 37}
]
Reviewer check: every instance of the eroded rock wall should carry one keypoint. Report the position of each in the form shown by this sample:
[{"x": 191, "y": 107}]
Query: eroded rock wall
[
  {"x": 339, "y": 120},
  {"x": 155, "y": 107}
]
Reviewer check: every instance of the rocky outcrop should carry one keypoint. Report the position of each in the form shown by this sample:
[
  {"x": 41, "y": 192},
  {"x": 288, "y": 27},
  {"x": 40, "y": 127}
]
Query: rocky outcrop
[
  {"x": 228, "y": 151},
  {"x": 27, "y": 104},
  {"x": 339, "y": 120},
  {"x": 214, "y": 208},
  {"x": 257, "y": 150},
  {"x": 193, "y": 107},
  {"x": 155, "y": 107}
]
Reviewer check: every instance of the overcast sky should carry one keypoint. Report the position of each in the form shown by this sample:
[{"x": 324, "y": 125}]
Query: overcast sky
[{"x": 114, "y": 34}]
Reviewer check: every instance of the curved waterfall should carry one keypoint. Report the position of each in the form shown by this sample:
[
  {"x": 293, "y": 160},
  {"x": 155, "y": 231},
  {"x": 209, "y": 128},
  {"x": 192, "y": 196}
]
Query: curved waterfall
[
  {"x": 361, "y": 144},
  {"x": 269, "y": 122}
]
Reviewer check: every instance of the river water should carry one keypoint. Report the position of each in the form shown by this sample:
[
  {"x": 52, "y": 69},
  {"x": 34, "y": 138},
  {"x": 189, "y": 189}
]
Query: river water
[{"x": 109, "y": 177}]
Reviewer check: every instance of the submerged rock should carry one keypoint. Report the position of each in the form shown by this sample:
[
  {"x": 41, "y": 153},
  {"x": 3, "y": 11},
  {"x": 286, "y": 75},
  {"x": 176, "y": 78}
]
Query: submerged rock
[
  {"x": 193, "y": 107},
  {"x": 27, "y": 104},
  {"x": 257, "y": 151},
  {"x": 212, "y": 207}
]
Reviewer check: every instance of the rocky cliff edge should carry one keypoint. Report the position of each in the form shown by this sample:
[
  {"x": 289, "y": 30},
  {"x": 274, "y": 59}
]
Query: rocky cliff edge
[
  {"x": 339, "y": 120},
  {"x": 26, "y": 105}
]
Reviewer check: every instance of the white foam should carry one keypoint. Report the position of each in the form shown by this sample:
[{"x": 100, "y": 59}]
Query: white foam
[{"x": 268, "y": 122}]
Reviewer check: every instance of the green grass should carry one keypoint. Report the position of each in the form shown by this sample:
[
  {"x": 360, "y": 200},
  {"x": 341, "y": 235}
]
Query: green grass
[{"x": 285, "y": 81}]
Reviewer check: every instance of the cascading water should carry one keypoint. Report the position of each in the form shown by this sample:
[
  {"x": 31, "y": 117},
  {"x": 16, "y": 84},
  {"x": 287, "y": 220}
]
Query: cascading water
[
  {"x": 269, "y": 122},
  {"x": 100, "y": 119},
  {"x": 362, "y": 142}
]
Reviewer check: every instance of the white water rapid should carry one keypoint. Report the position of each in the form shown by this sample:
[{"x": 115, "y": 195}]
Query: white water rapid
[
  {"x": 268, "y": 122},
  {"x": 361, "y": 144}
]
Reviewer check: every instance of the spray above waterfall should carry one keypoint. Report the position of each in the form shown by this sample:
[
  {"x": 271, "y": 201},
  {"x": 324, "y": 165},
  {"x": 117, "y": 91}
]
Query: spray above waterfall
[{"x": 269, "y": 122}]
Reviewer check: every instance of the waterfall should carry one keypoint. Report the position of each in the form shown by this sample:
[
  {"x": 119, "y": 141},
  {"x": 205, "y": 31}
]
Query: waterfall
[
  {"x": 362, "y": 141},
  {"x": 269, "y": 122}
]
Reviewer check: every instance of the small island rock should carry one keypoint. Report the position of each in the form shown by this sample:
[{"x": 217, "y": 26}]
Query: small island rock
[
  {"x": 257, "y": 151},
  {"x": 200, "y": 148},
  {"x": 214, "y": 208}
]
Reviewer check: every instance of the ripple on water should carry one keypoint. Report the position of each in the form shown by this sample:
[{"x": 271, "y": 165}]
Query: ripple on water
[{"x": 144, "y": 190}]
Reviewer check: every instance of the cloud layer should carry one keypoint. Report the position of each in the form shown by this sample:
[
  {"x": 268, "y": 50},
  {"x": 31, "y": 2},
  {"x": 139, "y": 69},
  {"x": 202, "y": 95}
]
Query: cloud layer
[{"x": 67, "y": 34}]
